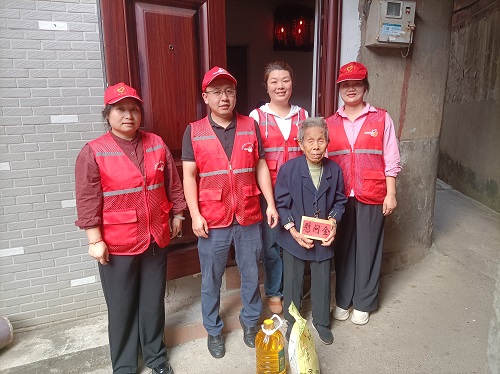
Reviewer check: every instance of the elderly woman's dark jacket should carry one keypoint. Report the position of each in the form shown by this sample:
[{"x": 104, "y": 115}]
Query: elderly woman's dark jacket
[{"x": 295, "y": 195}]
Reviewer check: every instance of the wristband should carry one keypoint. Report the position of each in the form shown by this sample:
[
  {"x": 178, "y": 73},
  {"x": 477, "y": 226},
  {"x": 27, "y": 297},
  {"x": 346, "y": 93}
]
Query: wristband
[
  {"x": 97, "y": 241},
  {"x": 182, "y": 218},
  {"x": 289, "y": 225}
]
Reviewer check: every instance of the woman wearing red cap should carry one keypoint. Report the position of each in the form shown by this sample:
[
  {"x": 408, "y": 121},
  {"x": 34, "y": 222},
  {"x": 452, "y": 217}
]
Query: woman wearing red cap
[
  {"x": 278, "y": 122},
  {"x": 127, "y": 185},
  {"x": 364, "y": 144}
]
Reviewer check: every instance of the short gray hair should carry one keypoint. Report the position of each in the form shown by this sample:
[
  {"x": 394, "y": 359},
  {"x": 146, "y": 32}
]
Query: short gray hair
[{"x": 312, "y": 122}]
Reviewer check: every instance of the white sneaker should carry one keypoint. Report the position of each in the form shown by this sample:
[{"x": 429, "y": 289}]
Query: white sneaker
[
  {"x": 340, "y": 314},
  {"x": 360, "y": 318}
]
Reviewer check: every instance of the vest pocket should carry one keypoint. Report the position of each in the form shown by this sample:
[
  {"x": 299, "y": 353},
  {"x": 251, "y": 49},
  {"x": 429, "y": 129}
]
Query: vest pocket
[
  {"x": 211, "y": 204},
  {"x": 120, "y": 226},
  {"x": 252, "y": 200},
  {"x": 374, "y": 187}
]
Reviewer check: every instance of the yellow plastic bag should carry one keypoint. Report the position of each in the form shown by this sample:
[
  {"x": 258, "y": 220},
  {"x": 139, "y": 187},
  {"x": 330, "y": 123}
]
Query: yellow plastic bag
[{"x": 301, "y": 350}]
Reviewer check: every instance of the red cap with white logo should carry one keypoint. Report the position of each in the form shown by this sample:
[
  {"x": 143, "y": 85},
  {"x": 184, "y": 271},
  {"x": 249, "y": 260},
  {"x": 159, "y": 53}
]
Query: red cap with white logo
[{"x": 216, "y": 73}]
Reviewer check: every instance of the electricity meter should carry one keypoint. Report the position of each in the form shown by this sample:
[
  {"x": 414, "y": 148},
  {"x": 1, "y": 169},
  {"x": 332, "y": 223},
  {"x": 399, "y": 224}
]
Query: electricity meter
[{"x": 390, "y": 23}]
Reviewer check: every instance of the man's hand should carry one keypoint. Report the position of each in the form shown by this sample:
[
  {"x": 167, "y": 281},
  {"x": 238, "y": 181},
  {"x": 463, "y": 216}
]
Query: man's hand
[
  {"x": 200, "y": 227},
  {"x": 272, "y": 216}
]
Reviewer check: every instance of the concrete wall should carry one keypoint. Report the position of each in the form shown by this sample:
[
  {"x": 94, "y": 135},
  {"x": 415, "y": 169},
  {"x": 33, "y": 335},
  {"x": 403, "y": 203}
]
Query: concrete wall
[
  {"x": 412, "y": 90},
  {"x": 51, "y": 86},
  {"x": 469, "y": 153}
]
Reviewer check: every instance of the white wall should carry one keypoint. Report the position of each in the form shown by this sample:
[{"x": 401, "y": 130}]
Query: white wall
[{"x": 350, "y": 38}]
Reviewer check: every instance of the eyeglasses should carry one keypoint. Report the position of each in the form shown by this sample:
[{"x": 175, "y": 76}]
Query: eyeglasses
[{"x": 218, "y": 93}]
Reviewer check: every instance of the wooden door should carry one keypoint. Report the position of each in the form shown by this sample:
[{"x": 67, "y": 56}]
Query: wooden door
[{"x": 162, "y": 48}]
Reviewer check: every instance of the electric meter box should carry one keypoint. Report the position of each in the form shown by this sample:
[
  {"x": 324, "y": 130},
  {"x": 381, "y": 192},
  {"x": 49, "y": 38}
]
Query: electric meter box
[{"x": 390, "y": 23}]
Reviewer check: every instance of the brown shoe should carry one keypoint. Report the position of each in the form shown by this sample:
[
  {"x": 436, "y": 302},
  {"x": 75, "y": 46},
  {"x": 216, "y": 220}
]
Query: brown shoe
[{"x": 274, "y": 304}]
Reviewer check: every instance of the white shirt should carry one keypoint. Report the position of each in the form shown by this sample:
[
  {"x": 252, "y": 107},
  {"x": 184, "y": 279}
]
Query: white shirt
[{"x": 284, "y": 123}]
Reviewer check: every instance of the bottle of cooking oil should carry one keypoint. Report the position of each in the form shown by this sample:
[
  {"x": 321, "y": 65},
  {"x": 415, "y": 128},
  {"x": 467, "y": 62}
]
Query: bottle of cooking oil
[{"x": 270, "y": 348}]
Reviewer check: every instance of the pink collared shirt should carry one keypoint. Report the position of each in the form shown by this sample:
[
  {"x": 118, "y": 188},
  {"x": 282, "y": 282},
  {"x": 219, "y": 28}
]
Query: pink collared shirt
[{"x": 391, "y": 149}]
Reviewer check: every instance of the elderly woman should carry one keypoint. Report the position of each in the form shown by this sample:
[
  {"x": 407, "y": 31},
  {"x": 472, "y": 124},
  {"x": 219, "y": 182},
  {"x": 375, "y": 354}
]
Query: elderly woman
[
  {"x": 310, "y": 185},
  {"x": 126, "y": 187}
]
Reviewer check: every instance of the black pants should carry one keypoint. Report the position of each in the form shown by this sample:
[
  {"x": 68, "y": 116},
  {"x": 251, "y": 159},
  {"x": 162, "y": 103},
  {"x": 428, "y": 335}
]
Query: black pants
[
  {"x": 293, "y": 280},
  {"x": 358, "y": 256},
  {"x": 134, "y": 289}
]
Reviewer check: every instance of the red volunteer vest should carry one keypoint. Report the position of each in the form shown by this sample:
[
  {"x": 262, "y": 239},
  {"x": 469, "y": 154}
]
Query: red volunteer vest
[
  {"x": 278, "y": 150},
  {"x": 363, "y": 167},
  {"x": 227, "y": 188},
  {"x": 134, "y": 208}
]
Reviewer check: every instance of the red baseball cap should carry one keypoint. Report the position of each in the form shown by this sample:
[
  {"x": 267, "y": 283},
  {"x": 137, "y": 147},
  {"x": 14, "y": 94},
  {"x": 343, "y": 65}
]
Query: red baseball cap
[
  {"x": 352, "y": 71},
  {"x": 216, "y": 73},
  {"x": 119, "y": 91}
]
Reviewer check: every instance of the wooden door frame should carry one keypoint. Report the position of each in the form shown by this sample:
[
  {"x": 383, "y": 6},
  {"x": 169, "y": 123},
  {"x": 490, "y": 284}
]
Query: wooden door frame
[
  {"x": 329, "y": 56},
  {"x": 122, "y": 65}
]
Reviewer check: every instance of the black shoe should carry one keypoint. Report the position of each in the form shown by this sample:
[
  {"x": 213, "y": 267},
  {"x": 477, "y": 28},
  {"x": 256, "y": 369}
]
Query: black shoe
[
  {"x": 164, "y": 368},
  {"x": 324, "y": 333},
  {"x": 288, "y": 331},
  {"x": 249, "y": 334},
  {"x": 216, "y": 346}
]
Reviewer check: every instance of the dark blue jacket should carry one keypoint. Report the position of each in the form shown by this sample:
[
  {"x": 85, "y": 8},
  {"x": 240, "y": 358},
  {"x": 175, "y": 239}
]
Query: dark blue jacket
[{"x": 295, "y": 194}]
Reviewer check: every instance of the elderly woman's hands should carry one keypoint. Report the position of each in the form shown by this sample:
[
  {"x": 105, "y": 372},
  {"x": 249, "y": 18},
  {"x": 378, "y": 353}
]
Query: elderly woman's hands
[
  {"x": 329, "y": 239},
  {"x": 301, "y": 239}
]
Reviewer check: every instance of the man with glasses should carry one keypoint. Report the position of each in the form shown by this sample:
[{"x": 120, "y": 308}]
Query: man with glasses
[{"x": 224, "y": 166}]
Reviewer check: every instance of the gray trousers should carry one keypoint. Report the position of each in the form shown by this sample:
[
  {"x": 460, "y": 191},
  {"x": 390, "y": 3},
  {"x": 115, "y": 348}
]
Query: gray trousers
[
  {"x": 358, "y": 256},
  {"x": 213, "y": 252},
  {"x": 134, "y": 289},
  {"x": 293, "y": 280}
]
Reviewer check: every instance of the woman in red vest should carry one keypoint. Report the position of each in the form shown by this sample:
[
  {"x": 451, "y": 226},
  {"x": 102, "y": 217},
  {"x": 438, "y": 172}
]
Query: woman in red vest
[
  {"x": 364, "y": 144},
  {"x": 278, "y": 122},
  {"x": 127, "y": 185}
]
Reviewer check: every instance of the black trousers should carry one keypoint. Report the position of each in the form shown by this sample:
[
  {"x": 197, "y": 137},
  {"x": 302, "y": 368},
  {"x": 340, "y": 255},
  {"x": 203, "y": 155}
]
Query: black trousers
[
  {"x": 358, "y": 256},
  {"x": 293, "y": 280},
  {"x": 134, "y": 289}
]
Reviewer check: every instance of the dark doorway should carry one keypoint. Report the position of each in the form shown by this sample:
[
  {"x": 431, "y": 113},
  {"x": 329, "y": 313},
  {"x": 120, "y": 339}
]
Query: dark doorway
[{"x": 237, "y": 64}]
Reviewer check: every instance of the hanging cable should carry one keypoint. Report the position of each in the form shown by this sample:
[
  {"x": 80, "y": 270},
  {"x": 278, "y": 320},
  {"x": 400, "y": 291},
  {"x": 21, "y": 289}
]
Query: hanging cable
[{"x": 411, "y": 26}]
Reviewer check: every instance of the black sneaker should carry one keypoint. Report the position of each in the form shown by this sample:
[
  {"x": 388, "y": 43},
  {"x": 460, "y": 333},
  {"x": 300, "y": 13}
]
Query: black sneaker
[
  {"x": 324, "y": 334},
  {"x": 216, "y": 346}
]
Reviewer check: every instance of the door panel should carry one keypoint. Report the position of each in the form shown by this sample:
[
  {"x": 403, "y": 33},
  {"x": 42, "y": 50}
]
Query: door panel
[
  {"x": 169, "y": 69},
  {"x": 162, "y": 48}
]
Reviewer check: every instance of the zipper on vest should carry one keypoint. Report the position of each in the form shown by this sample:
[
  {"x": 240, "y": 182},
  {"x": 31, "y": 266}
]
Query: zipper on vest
[{"x": 231, "y": 188}]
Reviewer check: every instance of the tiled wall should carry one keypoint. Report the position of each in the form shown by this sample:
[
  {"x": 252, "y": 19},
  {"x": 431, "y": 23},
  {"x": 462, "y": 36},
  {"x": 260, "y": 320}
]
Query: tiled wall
[{"x": 51, "y": 86}]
